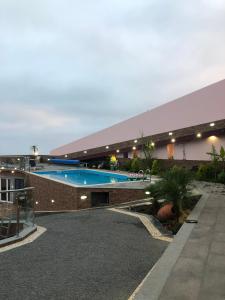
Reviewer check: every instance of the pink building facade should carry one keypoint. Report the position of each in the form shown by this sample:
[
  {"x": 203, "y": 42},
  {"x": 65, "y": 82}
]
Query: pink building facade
[{"x": 185, "y": 128}]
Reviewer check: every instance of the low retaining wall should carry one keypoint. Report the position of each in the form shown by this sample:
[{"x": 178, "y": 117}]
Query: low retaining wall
[{"x": 50, "y": 195}]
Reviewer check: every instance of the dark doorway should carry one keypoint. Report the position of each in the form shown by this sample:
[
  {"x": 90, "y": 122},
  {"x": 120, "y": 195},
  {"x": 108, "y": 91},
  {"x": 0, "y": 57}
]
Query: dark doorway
[{"x": 99, "y": 198}]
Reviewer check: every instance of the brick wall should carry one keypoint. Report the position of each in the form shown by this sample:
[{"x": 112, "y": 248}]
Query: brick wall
[{"x": 68, "y": 197}]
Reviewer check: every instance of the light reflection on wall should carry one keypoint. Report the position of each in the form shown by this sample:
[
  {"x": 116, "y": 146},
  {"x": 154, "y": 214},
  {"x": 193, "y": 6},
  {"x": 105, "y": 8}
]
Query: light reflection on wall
[{"x": 212, "y": 139}]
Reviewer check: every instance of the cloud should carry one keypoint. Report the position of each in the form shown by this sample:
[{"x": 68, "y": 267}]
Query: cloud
[{"x": 69, "y": 68}]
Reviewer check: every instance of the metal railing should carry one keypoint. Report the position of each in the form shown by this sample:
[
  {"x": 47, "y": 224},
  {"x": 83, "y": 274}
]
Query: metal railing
[{"x": 16, "y": 214}]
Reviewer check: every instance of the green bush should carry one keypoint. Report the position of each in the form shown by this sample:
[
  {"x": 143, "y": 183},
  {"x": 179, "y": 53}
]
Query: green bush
[
  {"x": 155, "y": 167},
  {"x": 207, "y": 172},
  {"x": 221, "y": 177},
  {"x": 136, "y": 164},
  {"x": 172, "y": 187}
]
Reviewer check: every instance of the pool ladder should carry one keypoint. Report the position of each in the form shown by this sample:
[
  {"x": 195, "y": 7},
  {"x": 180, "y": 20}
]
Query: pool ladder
[{"x": 144, "y": 174}]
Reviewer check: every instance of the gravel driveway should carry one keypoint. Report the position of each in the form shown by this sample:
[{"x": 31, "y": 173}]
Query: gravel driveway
[{"x": 92, "y": 254}]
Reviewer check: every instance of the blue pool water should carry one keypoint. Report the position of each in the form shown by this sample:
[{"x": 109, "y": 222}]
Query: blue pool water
[{"x": 84, "y": 177}]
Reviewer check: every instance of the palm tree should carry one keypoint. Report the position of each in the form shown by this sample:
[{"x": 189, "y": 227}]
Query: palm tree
[{"x": 34, "y": 149}]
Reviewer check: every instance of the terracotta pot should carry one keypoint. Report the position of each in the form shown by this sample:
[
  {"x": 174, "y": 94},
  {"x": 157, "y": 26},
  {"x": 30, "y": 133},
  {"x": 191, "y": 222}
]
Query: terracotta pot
[{"x": 166, "y": 212}]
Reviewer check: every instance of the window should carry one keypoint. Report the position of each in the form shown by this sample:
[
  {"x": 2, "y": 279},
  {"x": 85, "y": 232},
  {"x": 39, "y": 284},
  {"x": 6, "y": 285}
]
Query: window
[{"x": 5, "y": 186}]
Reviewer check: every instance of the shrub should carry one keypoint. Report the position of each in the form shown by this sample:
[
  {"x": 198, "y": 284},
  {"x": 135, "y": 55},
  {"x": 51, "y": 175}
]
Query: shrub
[
  {"x": 221, "y": 177},
  {"x": 207, "y": 172},
  {"x": 135, "y": 164},
  {"x": 172, "y": 187},
  {"x": 155, "y": 167}
]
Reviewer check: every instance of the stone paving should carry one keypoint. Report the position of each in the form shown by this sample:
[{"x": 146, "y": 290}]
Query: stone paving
[{"x": 199, "y": 273}]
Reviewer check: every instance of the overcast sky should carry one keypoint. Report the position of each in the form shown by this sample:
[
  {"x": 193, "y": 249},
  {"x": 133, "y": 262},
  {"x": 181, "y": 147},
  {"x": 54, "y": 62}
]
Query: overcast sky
[{"x": 69, "y": 68}]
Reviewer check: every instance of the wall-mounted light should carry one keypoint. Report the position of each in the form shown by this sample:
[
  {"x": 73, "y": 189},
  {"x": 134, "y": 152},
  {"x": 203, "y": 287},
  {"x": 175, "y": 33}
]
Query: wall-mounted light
[
  {"x": 2, "y": 168},
  {"x": 170, "y": 133},
  {"x": 199, "y": 135},
  {"x": 147, "y": 193},
  {"x": 117, "y": 150},
  {"x": 85, "y": 151},
  {"x": 18, "y": 159},
  {"x": 212, "y": 138},
  {"x": 66, "y": 155},
  {"x": 15, "y": 168},
  {"x": 106, "y": 147},
  {"x": 48, "y": 159},
  {"x": 152, "y": 144},
  {"x": 53, "y": 201},
  {"x": 173, "y": 141},
  {"x": 134, "y": 148},
  {"x": 12, "y": 172},
  {"x": 83, "y": 197},
  {"x": 212, "y": 124},
  {"x": 135, "y": 141},
  {"x": 36, "y": 202}
]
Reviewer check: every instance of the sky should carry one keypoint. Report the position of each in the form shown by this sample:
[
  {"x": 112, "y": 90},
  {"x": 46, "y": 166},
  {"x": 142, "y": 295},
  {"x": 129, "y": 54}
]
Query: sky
[{"x": 70, "y": 68}]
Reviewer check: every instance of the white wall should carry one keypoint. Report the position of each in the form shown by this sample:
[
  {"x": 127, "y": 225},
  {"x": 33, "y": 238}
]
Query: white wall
[{"x": 195, "y": 150}]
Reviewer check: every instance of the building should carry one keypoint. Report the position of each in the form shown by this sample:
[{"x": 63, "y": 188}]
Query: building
[{"x": 183, "y": 129}]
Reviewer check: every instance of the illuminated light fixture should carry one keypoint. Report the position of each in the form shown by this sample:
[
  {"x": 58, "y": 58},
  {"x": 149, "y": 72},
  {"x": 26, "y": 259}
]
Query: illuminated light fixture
[
  {"x": 66, "y": 155},
  {"x": 152, "y": 144},
  {"x": 36, "y": 202},
  {"x": 173, "y": 140},
  {"x": 15, "y": 168},
  {"x": 48, "y": 159},
  {"x": 134, "y": 148},
  {"x": 213, "y": 138},
  {"x": 83, "y": 197},
  {"x": 147, "y": 193},
  {"x": 18, "y": 158},
  {"x": 53, "y": 201},
  {"x": 199, "y": 135},
  {"x": 170, "y": 133},
  {"x": 85, "y": 151},
  {"x": 135, "y": 141},
  {"x": 2, "y": 168},
  {"x": 117, "y": 150},
  {"x": 107, "y": 147},
  {"x": 12, "y": 172},
  {"x": 212, "y": 124}
]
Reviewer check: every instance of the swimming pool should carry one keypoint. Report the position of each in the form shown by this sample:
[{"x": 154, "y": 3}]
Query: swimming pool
[{"x": 84, "y": 177}]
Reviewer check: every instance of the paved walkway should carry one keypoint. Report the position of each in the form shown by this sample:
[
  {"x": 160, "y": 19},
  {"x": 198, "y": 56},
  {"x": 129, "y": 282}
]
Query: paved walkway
[
  {"x": 198, "y": 272},
  {"x": 94, "y": 254}
]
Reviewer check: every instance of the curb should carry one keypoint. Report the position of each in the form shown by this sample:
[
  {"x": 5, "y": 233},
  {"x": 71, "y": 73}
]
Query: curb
[{"x": 26, "y": 236}]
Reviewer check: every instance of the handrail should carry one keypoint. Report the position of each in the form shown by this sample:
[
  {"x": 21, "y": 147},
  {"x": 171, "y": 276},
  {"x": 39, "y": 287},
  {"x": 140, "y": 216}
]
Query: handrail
[
  {"x": 17, "y": 205},
  {"x": 150, "y": 175},
  {"x": 17, "y": 190},
  {"x": 142, "y": 172}
]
